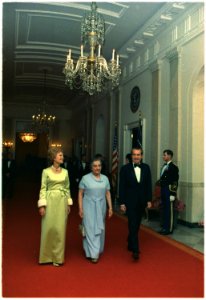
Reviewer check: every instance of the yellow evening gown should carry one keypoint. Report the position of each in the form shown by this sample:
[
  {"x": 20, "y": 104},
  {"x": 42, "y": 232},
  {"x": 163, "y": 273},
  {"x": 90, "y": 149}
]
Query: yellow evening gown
[{"x": 55, "y": 195}]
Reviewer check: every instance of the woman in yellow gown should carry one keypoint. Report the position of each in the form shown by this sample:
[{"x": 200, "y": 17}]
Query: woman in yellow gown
[{"x": 54, "y": 206}]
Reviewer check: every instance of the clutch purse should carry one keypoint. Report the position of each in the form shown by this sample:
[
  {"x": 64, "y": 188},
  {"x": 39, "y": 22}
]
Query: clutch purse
[{"x": 82, "y": 230}]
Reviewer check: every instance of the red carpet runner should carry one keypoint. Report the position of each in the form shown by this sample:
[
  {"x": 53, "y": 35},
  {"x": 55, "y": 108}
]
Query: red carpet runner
[{"x": 165, "y": 269}]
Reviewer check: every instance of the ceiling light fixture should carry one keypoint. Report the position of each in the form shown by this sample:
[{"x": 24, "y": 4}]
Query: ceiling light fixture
[
  {"x": 91, "y": 72},
  {"x": 56, "y": 145},
  {"x": 166, "y": 17},
  {"x": 180, "y": 6},
  {"x": 7, "y": 144},
  {"x": 139, "y": 42},
  {"x": 146, "y": 33},
  {"x": 131, "y": 49},
  {"x": 28, "y": 137},
  {"x": 42, "y": 121}
]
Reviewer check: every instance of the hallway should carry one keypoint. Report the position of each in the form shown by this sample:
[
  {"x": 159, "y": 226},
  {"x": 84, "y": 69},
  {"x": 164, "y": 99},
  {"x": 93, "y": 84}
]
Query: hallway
[{"x": 115, "y": 275}]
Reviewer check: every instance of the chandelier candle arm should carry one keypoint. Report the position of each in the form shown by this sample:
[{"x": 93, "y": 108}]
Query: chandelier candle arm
[
  {"x": 117, "y": 60},
  {"x": 99, "y": 50},
  {"x": 113, "y": 51},
  {"x": 69, "y": 55},
  {"x": 82, "y": 51}
]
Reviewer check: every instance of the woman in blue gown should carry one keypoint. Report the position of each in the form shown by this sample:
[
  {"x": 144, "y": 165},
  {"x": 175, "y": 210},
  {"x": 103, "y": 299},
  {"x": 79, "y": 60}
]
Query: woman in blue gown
[{"x": 93, "y": 198}]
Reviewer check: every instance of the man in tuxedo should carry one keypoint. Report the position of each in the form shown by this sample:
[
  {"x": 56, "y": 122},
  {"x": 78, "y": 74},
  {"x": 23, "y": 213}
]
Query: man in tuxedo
[
  {"x": 135, "y": 193},
  {"x": 83, "y": 168},
  {"x": 68, "y": 164},
  {"x": 169, "y": 177},
  {"x": 8, "y": 176}
]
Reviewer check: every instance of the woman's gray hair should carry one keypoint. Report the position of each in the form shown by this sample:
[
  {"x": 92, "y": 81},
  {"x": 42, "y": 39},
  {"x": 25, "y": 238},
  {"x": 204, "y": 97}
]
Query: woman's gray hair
[{"x": 52, "y": 153}]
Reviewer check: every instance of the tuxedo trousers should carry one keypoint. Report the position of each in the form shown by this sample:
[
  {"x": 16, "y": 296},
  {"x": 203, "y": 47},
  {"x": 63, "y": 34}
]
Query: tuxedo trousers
[
  {"x": 134, "y": 215},
  {"x": 167, "y": 209}
]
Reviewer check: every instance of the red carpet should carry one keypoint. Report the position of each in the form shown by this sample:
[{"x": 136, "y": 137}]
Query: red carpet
[{"x": 165, "y": 269}]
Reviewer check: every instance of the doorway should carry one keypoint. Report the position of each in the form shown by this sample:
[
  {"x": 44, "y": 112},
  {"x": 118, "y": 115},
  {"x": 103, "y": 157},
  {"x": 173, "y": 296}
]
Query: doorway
[
  {"x": 134, "y": 136},
  {"x": 32, "y": 157}
]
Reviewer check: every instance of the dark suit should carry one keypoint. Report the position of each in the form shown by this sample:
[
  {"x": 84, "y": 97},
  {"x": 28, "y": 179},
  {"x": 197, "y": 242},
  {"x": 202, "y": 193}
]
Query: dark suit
[
  {"x": 134, "y": 195},
  {"x": 82, "y": 169},
  {"x": 169, "y": 183},
  {"x": 8, "y": 177}
]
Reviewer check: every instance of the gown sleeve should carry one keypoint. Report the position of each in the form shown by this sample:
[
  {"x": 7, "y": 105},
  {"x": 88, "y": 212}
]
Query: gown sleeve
[
  {"x": 107, "y": 184},
  {"x": 42, "y": 194},
  {"x": 67, "y": 186}
]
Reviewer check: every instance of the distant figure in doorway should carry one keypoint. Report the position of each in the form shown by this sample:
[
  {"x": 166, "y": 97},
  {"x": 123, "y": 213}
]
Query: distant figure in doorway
[
  {"x": 83, "y": 168},
  {"x": 94, "y": 196},
  {"x": 54, "y": 206},
  {"x": 8, "y": 176},
  {"x": 68, "y": 165},
  {"x": 135, "y": 193},
  {"x": 128, "y": 158},
  {"x": 169, "y": 177}
]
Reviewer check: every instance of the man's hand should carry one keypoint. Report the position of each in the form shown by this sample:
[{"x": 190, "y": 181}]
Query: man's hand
[
  {"x": 172, "y": 198},
  {"x": 149, "y": 204}
]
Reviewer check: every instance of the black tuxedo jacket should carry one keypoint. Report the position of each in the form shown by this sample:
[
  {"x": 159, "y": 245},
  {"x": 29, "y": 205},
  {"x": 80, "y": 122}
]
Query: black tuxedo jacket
[
  {"x": 130, "y": 190},
  {"x": 9, "y": 172}
]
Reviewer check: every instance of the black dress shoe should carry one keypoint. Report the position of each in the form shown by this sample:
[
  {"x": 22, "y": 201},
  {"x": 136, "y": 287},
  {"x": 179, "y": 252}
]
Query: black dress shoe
[
  {"x": 135, "y": 255},
  {"x": 165, "y": 232}
]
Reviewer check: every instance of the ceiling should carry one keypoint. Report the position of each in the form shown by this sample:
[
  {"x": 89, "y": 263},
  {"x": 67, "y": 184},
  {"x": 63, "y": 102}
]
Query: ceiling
[{"x": 37, "y": 36}]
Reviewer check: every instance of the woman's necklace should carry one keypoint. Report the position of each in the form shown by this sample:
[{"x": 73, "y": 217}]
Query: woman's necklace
[{"x": 56, "y": 169}]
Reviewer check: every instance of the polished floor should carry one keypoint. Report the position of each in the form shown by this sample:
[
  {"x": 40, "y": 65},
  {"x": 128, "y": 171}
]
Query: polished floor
[{"x": 192, "y": 237}]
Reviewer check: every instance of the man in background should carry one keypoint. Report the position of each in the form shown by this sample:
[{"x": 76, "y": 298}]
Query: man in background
[
  {"x": 8, "y": 176},
  {"x": 169, "y": 177}
]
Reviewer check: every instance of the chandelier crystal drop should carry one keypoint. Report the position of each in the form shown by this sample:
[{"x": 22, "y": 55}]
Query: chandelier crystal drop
[
  {"x": 42, "y": 121},
  {"x": 93, "y": 70}
]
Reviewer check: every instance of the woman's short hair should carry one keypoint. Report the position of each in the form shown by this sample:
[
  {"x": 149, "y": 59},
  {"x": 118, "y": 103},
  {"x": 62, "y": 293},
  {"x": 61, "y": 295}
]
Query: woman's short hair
[
  {"x": 95, "y": 159},
  {"x": 52, "y": 153}
]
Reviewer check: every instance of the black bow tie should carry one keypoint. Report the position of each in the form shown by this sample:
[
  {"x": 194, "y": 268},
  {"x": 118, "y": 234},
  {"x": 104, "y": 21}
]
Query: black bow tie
[{"x": 137, "y": 165}]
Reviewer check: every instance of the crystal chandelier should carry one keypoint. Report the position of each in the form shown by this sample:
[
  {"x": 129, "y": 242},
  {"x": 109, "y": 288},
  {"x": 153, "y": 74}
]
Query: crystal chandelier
[
  {"x": 92, "y": 70},
  {"x": 42, "y": 121}
]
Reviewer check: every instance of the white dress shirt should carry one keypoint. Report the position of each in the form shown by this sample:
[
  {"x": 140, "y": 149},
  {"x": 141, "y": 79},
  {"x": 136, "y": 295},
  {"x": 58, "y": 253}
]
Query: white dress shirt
[{"x": 137, "y": 171}]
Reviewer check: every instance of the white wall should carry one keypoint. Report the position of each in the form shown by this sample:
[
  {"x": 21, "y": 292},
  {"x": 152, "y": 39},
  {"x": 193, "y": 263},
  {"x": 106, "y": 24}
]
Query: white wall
[{"x": 179, "y": 124}]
